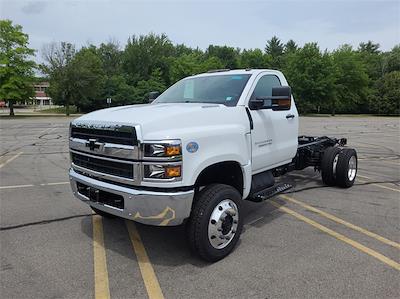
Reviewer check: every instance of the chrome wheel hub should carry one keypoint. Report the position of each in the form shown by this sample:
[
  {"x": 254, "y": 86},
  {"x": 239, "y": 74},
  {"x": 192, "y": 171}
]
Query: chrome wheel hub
[
  {"x": 351, "y": 174},
  {"x": 335, "y": 164},
  {"x": 223, "y": 224}
]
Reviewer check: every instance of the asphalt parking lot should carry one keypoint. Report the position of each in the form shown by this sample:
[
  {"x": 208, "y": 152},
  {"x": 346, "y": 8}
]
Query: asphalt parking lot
[{"x": 316, "y": 241}]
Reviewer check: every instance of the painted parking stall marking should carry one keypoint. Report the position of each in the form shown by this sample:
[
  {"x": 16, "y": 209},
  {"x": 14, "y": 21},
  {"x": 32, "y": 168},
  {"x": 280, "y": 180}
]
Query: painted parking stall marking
[
  {"x": 341, "y": 221},
  {"x": 32, "y": 185},
  {"x": 339, "y": 236},
  {"x": 101, "y": 286},
  {"x": 365, "y": 180},
  {"x": 149, "y": 277},
  {"x": 10, "y": 159}
]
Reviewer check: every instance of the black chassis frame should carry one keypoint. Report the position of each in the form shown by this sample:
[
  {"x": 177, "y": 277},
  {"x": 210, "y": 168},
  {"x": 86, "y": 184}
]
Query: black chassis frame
[{"x": 309, "y": 153}]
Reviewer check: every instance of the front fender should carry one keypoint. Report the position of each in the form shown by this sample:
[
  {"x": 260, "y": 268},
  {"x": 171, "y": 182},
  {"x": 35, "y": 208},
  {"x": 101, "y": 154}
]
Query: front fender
[{"x": 221, "y": 144}]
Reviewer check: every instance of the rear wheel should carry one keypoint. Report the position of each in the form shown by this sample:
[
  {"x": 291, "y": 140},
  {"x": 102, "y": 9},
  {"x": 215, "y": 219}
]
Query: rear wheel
[
  {"x": 102, "y": 213},
  {"x": 346, "y": 169},
  {"x": 329, "y": 165},
  {"x": 215, "y": 223}
]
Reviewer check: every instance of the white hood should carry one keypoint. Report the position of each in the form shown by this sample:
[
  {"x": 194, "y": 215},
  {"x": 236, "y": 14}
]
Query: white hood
[{"x": 166, "y": 120}]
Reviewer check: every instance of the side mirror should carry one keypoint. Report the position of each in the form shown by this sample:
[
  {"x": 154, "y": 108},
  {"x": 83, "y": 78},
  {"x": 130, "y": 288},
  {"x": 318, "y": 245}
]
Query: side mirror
[
  {"x": 281, "y": 99},
  {"x": 153, "y": 95}
]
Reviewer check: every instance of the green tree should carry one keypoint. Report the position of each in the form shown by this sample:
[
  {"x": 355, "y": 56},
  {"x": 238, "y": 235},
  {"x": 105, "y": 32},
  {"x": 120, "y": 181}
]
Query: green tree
[
  {"x": 88, "y": 80},
  {"x": 387, "y": 95},
  {"x": 76, "y": 78},
  {"x": 344, "y": 80},
  {"x": 372, "y": 59},
  {"x": 384, "y": 86},
  {"x": 111, "y": 57},
  {"x": 274, "y": 47},
  {"x": 310, "y": 74},
  {"x": 274, "y": 51},
  {"x": 117, "y": 88},
  {"x": 192, "y": 64},
  {"x": 391, "y": 60},
  {"x": 290, "y": 46},
  {"x": 351, "y": 81},
  {"x": 181, "y": 49},
  {"x": 144, "y": 54},
  {"x": 369, "y": 47},
  {"x": 154, "y": 83},
  {"x": 16, "y": 66},
  {"x": 115, "y": 80},
  {"x": 252, "y": 59},
  {"x": 183, "y": 66},
  {"x": 209, "y": 63},
  {"x": 228, "y": 56},
  {"x": 57, "y": 67}
]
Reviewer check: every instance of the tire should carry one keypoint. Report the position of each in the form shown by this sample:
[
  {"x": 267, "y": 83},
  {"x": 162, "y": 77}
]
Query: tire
[
  {"x": 346, "y": 169},
  {"x": 102, "y": 213},
  {"x": 329, "y": 165},
  {"x": 215, "y": 219}
]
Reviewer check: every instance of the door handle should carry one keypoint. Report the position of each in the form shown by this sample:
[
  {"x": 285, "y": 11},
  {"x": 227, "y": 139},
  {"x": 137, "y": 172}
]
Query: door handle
[{"x": 290, "y": 116}]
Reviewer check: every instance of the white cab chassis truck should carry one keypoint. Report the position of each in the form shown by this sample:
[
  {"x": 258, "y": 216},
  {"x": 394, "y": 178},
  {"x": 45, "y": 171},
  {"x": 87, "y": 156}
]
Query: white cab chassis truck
[{"x": 196, "y": 152}]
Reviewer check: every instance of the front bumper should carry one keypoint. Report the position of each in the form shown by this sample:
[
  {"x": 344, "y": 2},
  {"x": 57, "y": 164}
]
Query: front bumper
[{"x": 147, "y": 207}]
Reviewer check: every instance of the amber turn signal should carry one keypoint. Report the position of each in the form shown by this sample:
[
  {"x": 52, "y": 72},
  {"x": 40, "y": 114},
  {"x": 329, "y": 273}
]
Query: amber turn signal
[
  {"x": 172, "y": 171},
  {"x": 172, "y": 150}
]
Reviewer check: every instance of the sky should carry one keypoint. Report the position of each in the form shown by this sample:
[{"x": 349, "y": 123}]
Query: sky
[{"x": 243, "y": 24}]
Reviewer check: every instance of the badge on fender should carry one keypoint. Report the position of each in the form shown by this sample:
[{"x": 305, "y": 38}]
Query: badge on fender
[{"x": 192, "y": 147}]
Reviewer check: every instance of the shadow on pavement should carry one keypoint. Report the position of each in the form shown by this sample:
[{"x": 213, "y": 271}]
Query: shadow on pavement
[{"x": 167, "y": 246}]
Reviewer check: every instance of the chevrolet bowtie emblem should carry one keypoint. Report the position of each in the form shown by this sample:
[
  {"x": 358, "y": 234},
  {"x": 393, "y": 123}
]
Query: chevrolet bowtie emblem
[{"x": 92, "y": 144}]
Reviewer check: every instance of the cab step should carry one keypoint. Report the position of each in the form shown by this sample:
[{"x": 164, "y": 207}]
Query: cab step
[{"x": 269, "y": 192}]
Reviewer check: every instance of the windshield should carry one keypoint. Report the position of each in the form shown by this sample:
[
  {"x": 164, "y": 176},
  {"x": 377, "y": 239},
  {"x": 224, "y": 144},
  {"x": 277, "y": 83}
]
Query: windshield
[{"x": 219, "y": 89}]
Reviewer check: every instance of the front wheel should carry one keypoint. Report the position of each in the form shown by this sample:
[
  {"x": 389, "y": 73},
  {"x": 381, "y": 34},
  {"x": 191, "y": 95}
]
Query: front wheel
[{"x": 215, "y": 223}]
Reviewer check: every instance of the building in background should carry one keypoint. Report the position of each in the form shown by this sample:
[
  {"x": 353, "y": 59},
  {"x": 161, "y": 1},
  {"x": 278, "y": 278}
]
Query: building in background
[{"x": 41, "y": 98}]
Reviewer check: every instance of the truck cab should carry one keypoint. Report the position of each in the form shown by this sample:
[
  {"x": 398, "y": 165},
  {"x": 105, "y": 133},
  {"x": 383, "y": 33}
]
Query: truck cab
[
  {"x": 193, "y": 154},
  {"x": 275, "y": 131}
]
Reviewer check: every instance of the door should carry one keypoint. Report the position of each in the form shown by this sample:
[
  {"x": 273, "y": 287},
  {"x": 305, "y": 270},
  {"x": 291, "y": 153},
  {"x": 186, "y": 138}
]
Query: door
[{"x": 274, "y": 134}]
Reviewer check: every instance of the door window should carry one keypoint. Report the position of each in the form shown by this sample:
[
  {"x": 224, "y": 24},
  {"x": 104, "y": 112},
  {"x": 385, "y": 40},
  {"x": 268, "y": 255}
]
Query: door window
[{"x": 264, "y": 86}]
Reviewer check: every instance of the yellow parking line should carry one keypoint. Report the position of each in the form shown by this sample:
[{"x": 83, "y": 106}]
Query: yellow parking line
[
  {"x": 375, "y": 184},
  {"x": 341, "y": 221},
  {"x": 31, "y": 185},
  {"x": 339, "y": 236},
  {"x": 11, "y": 159},
  {"x": 149, "y": 277},
  {"x": 55, "y": 184},
  {"x": 101, "y": 288},
  {"x": 16, "y": 186}
]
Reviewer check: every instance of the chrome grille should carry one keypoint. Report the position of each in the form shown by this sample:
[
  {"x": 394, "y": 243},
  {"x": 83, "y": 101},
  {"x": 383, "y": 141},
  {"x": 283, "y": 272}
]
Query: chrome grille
[
  {"x": 114, "y": 168},
  {"x": 105, "y": 150},
  {"x": 125, "y": 135}
]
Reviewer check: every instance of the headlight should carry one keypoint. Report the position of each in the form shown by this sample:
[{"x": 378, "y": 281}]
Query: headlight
[
  {"x": 163, "y": 149},
  {"x": 159, "y": 171},
  {"x": 162, "y": 160}
]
